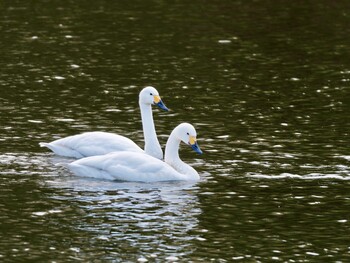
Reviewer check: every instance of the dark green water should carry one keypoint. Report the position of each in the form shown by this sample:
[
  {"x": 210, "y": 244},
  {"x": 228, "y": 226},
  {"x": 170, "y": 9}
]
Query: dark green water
[{"x": 266, "y": 84}]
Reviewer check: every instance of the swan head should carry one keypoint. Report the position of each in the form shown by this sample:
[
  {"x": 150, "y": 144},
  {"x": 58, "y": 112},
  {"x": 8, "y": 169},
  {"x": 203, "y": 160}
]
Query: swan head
[
  {"x": 187, "y": 133},
  {"x": 150, "y": 96}
]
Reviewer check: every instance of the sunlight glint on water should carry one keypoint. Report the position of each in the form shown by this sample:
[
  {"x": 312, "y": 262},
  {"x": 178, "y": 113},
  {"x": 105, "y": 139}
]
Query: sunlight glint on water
[{"x": 264, "y": 83}]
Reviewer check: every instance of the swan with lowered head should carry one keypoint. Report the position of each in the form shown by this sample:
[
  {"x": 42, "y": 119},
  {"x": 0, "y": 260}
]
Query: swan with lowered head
[
  {"x": 99, "y": 143},
  {"x": 140, "y": 167}
]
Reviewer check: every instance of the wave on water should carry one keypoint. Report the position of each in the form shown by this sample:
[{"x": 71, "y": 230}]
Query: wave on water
[
  {"x": 311, "y": 176},
  {"x": 346, "y": 157}
]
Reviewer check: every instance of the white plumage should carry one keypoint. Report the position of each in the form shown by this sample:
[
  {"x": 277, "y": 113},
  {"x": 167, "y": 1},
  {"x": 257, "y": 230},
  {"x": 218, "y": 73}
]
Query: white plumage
[{"x": 91, "y": 144}]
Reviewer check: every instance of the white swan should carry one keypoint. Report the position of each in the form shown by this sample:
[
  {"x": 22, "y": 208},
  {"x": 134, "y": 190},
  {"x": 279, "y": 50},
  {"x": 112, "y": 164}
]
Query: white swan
[
  {"x": 140, "y": 167},
  {"x": 99, "y": 143}
]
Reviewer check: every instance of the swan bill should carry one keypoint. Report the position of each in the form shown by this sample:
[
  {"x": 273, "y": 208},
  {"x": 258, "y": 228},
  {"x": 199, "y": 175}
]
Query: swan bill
[
  {"x": 159, "y": 103},
  {"x": 156, "y": 98},
  {"x": 194, "y": 145}
]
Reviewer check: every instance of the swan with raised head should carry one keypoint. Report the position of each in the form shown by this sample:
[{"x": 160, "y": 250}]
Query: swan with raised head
[
  {"x": 140, "y": 167},
  {"x": 99, "y": 143}
]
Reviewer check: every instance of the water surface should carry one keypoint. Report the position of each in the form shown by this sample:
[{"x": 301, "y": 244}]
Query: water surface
[{"x": 266, "y": 84}]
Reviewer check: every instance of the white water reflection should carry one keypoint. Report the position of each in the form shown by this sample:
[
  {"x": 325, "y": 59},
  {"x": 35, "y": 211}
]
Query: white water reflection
[
  {"x": 153, "y": 218},
  {"x": 311, "y": 176}
]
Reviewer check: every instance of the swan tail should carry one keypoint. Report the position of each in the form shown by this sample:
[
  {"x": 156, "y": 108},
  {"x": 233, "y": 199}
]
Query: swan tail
[
  {"x": 61, "y": 150},
  {"x": 43, "y": 144},
  {"x": 65, "y": 165}
]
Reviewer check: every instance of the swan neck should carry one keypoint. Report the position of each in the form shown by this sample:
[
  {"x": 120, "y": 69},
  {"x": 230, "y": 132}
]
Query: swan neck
[
  {"x": 172, "y": 158},
  {"x": 151, "y": 141},
  {"x": 172, "y": 150}
]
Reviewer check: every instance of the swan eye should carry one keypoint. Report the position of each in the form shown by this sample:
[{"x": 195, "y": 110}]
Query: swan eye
[
  {"x": 188, "y": 134},
  {"x": 151, "y": 94}
]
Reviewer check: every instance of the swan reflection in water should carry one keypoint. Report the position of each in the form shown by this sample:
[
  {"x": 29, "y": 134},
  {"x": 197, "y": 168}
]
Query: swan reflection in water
[{"x": 152, "y": 217}]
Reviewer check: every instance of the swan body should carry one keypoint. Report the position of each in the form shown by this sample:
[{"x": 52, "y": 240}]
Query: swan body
[
  {"x": 140, "y": 167},
  {"x": 100, "y": 143},
  {"x": 90, "y": 144}
]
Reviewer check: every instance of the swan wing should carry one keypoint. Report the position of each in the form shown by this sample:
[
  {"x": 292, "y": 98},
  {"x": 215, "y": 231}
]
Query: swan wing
[
  {"x": 91, "y": 144},
  {"x": 125, "y": 166}
]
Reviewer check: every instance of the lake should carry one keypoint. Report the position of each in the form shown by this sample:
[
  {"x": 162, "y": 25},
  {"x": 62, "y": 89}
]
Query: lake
[{"x": 265, "y": 83}]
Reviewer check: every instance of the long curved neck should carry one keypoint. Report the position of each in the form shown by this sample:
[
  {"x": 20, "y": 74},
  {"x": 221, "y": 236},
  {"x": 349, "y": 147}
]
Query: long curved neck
[
  {"x": 172, "y": 158},
  {"x": 152, "y": 146}
]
